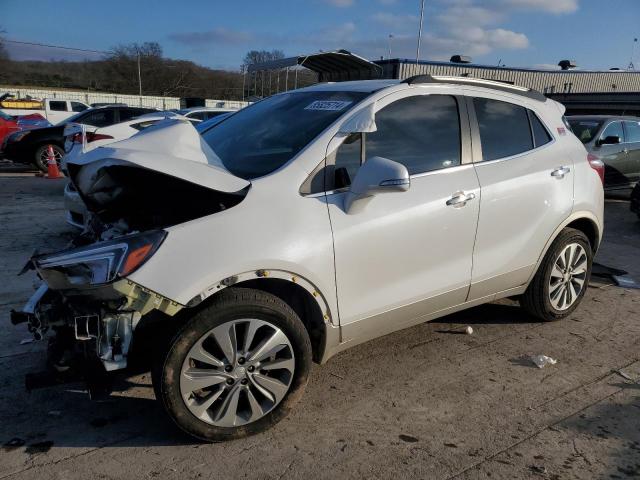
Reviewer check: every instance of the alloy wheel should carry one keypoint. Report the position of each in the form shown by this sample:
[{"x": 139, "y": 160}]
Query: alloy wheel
[
  {"x": 44, "y": 157},
  {"x": 237, "y": 372},
  {"x": 568, "y": 276}
]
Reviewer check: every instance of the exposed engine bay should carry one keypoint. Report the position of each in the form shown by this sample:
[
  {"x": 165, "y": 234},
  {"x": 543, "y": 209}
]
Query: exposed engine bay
[{"x": 85, "y": 299}]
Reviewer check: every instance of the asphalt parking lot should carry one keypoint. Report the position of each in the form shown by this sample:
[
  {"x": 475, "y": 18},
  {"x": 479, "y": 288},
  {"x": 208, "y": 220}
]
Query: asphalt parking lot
[{"x": 427, "y": 402}]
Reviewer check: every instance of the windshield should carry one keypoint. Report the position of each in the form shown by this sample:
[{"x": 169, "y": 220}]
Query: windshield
[
  {"x": 585, "y": 130},
  {"x": 261, "y": 138}
]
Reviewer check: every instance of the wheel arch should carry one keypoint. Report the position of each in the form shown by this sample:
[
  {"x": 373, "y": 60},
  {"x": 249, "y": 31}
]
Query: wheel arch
[
  {"x": 586, "y": 222},
  {"x": 297, "y": 292}
]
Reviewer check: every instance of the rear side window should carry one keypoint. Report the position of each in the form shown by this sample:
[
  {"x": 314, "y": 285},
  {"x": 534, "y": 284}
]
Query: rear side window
[
  {"x": 421, "y": 132},
  {"x": 540, "y": 134},
  {"x": 130, "y": 113},
  {"x": 504, "y": 128},
  {"x": 633, "y": 131},
  {"x": 99, "y": 118},
  {"x": 58, "y": 106},
  {"x": 78, "y": 107}
]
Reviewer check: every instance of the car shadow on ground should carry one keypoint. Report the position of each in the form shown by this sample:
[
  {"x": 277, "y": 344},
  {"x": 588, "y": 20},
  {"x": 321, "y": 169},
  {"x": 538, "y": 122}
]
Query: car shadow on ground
[{"x": 503, "y": 313}]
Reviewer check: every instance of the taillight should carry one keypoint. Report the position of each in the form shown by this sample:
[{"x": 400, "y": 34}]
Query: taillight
[
  {"x": 597, "y": 165},
  {"x": 92, "y": 137}
]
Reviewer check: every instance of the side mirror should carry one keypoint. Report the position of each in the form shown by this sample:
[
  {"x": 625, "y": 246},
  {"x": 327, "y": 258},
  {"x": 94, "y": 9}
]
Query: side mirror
[
  {"x": 610, "y": 140},
  {"x": 377, "y": 175}
]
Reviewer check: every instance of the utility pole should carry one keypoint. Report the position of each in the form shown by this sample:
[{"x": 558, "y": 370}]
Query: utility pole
[
  {"x": 420, "y": 31},
  {"x": 389, "y": 46},
  {"x": 633, "y": 45},
  {"x": 139, "y": 77}
]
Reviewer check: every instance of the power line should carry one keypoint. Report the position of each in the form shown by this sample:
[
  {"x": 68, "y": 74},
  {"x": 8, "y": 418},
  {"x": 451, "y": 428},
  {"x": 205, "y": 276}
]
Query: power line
[{"x": 57, "y": 46}]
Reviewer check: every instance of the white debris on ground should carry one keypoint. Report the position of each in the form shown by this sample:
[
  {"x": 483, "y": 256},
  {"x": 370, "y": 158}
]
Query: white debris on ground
[
  {"x": 542, "y": 361},
  {"x": 468, "y": 331}
]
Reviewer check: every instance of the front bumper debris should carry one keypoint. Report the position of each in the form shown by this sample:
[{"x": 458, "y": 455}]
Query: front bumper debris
[{"x": 95, "y": 323}]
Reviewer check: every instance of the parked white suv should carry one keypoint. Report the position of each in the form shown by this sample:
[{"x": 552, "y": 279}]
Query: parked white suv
[{"x": 310, "y": 222}]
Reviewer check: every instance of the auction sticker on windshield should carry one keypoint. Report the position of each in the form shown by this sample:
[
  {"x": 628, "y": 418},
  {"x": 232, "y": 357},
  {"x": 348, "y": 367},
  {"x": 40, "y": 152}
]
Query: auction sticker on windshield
[{"x": 328, "y": 105}]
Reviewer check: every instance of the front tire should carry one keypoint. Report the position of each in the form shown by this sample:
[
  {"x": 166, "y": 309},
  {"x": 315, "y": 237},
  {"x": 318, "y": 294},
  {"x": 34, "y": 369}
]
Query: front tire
[
  {"x": 562, "y": 278},
  {"x": 236, "y": 368}
]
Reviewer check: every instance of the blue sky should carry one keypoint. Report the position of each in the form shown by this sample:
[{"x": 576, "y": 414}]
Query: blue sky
[{"x": 598, "y": 34}]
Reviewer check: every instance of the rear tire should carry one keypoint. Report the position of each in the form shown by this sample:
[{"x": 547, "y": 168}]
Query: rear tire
[
  {"x": 216, "y": 390},
  {"x": 562, "y": 278},
  {"x": 40, "y": 157}
]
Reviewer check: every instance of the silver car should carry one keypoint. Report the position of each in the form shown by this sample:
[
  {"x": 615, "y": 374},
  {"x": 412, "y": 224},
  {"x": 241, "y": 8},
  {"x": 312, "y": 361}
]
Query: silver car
[
  {"x": 310, "y": 222},
  {"x": 615, "y": 140}
]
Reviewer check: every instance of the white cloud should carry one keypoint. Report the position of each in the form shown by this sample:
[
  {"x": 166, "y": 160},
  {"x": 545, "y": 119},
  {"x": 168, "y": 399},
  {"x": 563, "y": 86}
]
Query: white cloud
[
  {"x": 340, "y": 3},
  {"x": 550, "y": 6},
  {"x": 396, "y": 22}
]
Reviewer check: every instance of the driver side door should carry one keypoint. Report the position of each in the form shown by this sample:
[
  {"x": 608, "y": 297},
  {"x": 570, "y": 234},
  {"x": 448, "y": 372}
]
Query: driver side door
[{"x": 408, "y": 254}]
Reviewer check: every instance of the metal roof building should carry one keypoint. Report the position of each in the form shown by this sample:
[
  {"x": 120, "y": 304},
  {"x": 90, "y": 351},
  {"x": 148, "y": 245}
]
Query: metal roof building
[
  {"x": 545, "y": 81},
  {"x": 581, "y": 91}
]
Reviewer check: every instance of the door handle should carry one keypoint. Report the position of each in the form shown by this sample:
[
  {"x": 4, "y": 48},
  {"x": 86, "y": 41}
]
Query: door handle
[
  {"x": 560, "y": 172},
  {"x": 460, "y": 199}
]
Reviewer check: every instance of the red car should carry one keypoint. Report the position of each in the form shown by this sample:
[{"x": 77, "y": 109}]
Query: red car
[{"x": 10, "y": 124}]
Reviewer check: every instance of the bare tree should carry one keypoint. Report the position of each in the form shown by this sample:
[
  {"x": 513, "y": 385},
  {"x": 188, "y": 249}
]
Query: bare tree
[
  {"x": 4, "y": 55},
  {"x": 259, "y": 56}
]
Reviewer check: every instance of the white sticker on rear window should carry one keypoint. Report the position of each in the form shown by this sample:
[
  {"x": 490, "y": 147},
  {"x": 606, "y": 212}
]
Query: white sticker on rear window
[{"x": 328, "y": 105}]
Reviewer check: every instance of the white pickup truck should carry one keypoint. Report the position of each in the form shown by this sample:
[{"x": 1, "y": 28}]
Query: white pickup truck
[{"x": 54, "y": 110}]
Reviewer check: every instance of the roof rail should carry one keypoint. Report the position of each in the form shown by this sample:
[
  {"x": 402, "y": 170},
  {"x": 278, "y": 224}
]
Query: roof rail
[{"x": 481, "y": 82}]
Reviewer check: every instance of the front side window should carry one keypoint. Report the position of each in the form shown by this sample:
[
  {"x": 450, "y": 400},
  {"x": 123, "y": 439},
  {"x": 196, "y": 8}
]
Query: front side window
[
  {"x": 504, "y": 128},
  {"x": 261, "y": 138},
  {"x": 421, "y": 132},
  {"x": 57, "y": 106},
  {"x": 614, "y": 129},
  {"x": 633, "y": 131}
]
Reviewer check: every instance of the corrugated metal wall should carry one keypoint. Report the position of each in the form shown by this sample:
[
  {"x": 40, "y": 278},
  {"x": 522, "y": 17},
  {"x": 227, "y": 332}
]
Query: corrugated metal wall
[
  {"x": 561, "y": 81},
  {"x": 163, "y": 103}
]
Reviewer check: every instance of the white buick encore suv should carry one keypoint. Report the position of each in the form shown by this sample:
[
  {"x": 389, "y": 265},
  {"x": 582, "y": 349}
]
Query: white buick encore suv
[{"x": 310, "y": 222}]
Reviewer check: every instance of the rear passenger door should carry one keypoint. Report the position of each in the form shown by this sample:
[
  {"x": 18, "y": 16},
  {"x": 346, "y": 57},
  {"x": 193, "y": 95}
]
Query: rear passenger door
[{"x": 526, "y": 183}]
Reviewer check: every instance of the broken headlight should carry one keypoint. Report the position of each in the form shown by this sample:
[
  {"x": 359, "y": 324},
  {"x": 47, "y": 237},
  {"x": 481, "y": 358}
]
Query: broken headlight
[{"x": 98, "y": 263}]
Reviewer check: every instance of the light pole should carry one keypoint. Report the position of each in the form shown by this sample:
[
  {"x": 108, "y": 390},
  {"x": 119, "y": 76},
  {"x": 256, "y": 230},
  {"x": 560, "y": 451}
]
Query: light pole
[
  {"x": 420, "y": 31},
  {"x": 139, "y": 77},
  {"x": 389, "y": 46}
]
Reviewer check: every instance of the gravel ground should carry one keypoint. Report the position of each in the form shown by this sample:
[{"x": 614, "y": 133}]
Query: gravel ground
[{"x": 422, "y": 403}]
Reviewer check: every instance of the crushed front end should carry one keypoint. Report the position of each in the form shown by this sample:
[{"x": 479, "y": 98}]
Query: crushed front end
[{"x": 89, "y": 306}]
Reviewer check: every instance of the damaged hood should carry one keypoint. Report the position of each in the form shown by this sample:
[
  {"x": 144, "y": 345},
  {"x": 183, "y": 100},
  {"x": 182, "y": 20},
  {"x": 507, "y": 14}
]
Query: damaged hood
[
  {"x": 162, "y": 176},
  {"x": 171, "y": 147}
]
